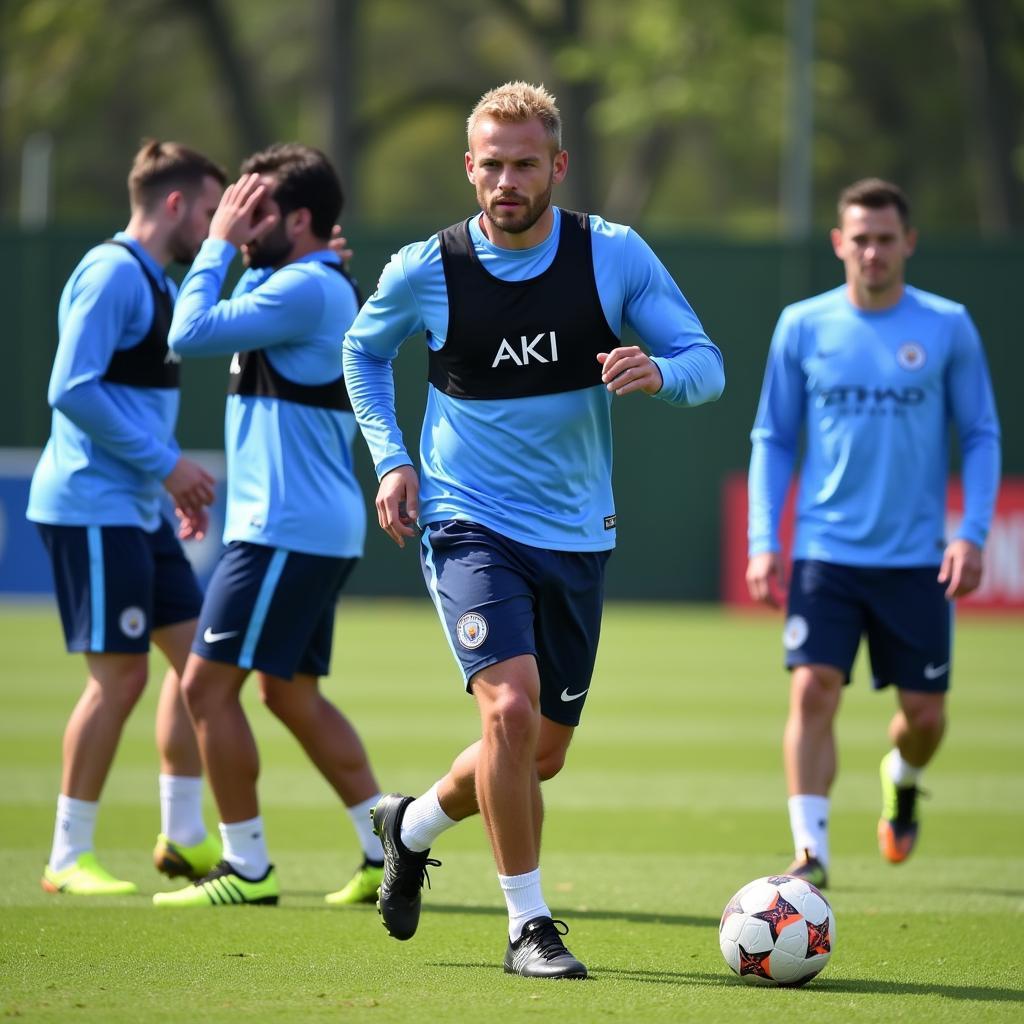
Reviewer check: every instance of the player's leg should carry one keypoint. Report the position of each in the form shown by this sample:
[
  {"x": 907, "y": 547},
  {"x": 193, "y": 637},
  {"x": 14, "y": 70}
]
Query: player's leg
[
  {"x": 809, "y": 754},
  {"x": 91, "y": 737},
  {"x": 184, "y": 846},
  {"x": 485, "y": 604},
  {"x": 507, "y": 786},
  {"x": 823, "y": 629},
  {"x": 569, "y": 597},
  {"x": 333, "y": 745},
  {"x": 293, "y": 653},
  {"x": 910, "y": 641},
  {"x": 103, "y": 580},
  {"x": 454, "y": 795},
  {"x": 231, "y": 636},
  {"x": 212, "y": 693}
]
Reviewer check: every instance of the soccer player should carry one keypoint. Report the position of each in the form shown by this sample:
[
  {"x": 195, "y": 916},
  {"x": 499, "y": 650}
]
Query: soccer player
[
  {"x": 872, "y": 373},
  {"x": 121, "y": 576},
  {"x": 523, "y": 306},
  {"x": 295, "y": 518}
]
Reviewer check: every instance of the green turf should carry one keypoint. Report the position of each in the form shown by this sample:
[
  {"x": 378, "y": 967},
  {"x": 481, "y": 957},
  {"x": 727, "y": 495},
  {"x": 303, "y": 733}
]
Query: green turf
[{"x": 672, "y": 798}]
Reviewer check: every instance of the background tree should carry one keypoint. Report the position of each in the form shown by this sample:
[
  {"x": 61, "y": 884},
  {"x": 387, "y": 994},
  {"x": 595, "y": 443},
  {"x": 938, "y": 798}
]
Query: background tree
[{"x": 673, "y": 112}]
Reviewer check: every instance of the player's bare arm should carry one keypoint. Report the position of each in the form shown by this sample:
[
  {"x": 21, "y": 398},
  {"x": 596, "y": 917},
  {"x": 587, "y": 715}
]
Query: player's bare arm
[
  {"x": 629, "y": 369},
  {"x": 398, "y": 503},
  {"x": 961, "y": 568},
  {"x": 765, "y": 579}
]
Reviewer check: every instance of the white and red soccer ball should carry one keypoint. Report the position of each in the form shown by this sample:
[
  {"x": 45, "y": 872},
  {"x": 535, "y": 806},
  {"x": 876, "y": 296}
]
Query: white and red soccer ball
[{"x": 778, "y": 930}]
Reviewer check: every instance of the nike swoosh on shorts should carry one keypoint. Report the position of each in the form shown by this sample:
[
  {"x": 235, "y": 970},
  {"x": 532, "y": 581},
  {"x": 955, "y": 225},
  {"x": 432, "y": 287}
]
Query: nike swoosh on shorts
[
  {"x": 567, "y": 696},
  {"x": 211, "y": 638}
]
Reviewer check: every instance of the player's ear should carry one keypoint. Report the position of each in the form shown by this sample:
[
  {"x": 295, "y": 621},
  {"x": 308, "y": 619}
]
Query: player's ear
[
  {"x": 911, "y": 242},
  {"x": 560, "y": 166},
  {"x": 836, "y": 236},
  {"x": 175, "y": 203},
  {"x": 469, "y": 166},
  {"x": 299, "y": 221}
]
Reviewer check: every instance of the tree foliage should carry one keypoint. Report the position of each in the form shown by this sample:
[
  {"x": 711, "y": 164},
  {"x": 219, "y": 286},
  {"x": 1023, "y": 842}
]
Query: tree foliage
[{"x": 674, "y": 113}]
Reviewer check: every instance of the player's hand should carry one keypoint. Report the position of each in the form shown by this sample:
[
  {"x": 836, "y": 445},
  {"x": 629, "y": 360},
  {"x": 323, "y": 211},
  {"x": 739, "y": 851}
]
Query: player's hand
[
  {"x": 765, "y": 580},
  {"x": 398, "y": 504},
  {"x": 339, "y": 245},
  {"x": 190, "y": 486},
  {"x": 629, "y": 369},
  {"x": 961, "y": 568},
  {"x": 240, "y": 217},
  {"x": 193, "y": 527}
]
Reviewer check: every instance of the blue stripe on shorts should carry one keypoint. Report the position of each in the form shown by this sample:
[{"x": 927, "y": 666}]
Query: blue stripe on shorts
[
  {"x": 97, "y": 590},
  {"x": 259, "y": 612}
]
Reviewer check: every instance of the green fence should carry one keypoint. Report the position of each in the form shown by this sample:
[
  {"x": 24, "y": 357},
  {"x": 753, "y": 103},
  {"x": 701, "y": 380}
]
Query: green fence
[{"x": 669, "y": 462}]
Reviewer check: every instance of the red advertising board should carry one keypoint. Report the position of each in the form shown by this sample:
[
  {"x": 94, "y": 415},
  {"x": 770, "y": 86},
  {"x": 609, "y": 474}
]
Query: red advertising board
[{"x": 1002, "y": 586}]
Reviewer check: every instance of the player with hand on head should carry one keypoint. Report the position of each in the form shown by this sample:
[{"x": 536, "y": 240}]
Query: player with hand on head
[
  {"x": 121, "y": 576},
  {"x": 295, "y": 518},
  {"x": 523, "y": 306},
  {"x": 872, "y": 373}
]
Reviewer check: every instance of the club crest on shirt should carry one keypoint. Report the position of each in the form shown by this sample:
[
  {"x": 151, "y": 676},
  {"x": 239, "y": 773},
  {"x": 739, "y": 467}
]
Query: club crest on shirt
[
  {"x": 132, "y": 622},
  {"x": 471, "y": 630},
  {"x": 910, "y": 355},
  {"x": 795, "y": 633}
]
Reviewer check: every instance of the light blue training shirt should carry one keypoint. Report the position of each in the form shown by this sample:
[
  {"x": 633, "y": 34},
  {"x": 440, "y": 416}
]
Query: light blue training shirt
[
  {"x": 290, "y": 474},
  {"x": 875, "y": 394},
  {"x": 110, "y": 445},
  {"x": 536, "y": 469}
]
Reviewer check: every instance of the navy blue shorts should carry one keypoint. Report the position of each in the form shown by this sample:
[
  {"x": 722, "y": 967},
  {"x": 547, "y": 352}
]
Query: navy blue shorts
[
  {"x": 115, "y": 584},
  {"x": 903, "y": 612},
  {"x": 499, "y": 599},
  {"x": 271, "y": 610}
]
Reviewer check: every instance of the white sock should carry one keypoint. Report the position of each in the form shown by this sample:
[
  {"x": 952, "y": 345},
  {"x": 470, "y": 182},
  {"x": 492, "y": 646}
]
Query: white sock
[
  {"x": 73, "y": 832},
  {"x": 245, "y": 847},
  {"x": 361, "y": 821},
  {"x": 524, "y": 899},
  {"x": 181, "y": 809},
  {"x": 901, "y": 773},
  {"x": 424, "y": 821},
  {"x": 808, "y": 819}
]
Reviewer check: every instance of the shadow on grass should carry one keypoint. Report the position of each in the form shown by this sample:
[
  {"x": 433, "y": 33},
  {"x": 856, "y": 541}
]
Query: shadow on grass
[
  {"x": 907, "y": 988},
  {"x": 590, "y": 914},
  {"x": 495, "y": 910},
  {"x": 862, "y": 986}
]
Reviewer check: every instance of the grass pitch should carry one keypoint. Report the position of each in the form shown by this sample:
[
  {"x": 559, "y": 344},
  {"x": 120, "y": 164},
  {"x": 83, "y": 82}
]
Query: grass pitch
[{"x": 672, "y": 798}]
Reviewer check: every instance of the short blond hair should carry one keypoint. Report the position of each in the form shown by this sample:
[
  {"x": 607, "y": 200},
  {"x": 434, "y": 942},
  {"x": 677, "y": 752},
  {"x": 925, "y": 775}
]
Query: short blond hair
[{"x": 517, "y": 102}]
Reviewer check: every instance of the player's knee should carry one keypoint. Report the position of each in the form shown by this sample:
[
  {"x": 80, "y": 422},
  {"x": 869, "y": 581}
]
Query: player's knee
[
  {"x": 815, "y": 694},
  {"x": 283, "y": 704},
  {"x": 192, "y": 695},
  {"x": 550, "y": 763},
  {"x": 273, "y": 700},
  {"x": 512, "y": 716},
  {"x": 119, "y": 695},
  {"x": 926, "y": 718}
]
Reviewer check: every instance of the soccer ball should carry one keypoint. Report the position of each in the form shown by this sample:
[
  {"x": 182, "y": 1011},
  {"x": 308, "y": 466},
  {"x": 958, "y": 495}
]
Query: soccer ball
[{"x": 778, "y": 930}]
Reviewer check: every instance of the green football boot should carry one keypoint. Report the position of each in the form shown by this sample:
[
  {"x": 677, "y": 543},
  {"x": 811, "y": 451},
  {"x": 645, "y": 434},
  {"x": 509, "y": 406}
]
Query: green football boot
[
  {"x": 362, "y": 887},
  {"x": 897, "y": 827},
  {"x": 223, "y": 887},
  {"x": 86, "y": 878},
  {"x": 175, "y": 860}
]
